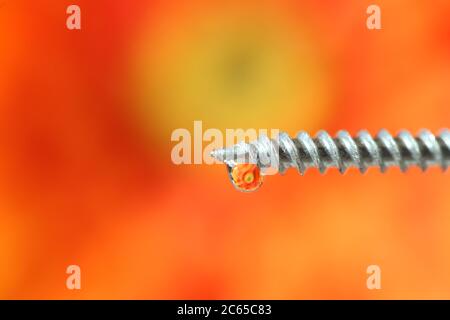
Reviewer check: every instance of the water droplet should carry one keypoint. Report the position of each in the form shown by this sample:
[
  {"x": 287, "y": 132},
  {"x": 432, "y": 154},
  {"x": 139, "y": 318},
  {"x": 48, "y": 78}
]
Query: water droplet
[{"x": 245, "y": 177}]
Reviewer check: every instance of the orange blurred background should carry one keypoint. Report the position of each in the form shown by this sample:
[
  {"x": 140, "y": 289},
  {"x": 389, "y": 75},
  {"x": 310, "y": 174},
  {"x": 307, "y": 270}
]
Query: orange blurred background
[{"x": 86, "y": 176}]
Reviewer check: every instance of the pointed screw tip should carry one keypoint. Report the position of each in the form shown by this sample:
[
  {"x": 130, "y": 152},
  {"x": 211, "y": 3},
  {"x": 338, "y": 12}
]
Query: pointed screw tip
[{"x": 218, "y": 154}]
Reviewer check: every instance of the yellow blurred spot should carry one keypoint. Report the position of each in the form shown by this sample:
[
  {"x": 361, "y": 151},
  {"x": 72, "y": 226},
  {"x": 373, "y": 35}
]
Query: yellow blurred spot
[{"x": 213, "y": 64}]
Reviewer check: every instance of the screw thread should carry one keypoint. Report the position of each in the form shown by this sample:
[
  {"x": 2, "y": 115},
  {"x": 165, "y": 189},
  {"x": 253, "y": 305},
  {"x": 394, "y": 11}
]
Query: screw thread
[
  {"x": 364, "y": 151},
  {"x": 343, "y": 151}
]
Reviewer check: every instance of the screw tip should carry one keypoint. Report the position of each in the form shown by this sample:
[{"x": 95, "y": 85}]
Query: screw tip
[{"x": 218, "y": 154}]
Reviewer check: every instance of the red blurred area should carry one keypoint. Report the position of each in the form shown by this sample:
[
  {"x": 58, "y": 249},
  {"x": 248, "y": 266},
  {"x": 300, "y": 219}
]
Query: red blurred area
[{"x": 83, "y": 180}]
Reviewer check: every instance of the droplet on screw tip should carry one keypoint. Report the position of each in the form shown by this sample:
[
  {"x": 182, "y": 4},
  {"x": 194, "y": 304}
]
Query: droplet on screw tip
[{"x": 245, "y": 177}]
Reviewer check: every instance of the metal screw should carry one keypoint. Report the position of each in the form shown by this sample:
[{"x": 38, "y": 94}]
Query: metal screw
[{"x": 342, "y": 152}]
